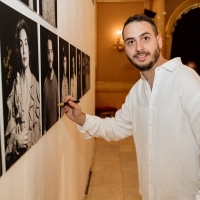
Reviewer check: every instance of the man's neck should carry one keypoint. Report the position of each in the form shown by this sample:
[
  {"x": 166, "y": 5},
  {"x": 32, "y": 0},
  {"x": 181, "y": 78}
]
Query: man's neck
[
  {"x": 149, "y": 75},
  {"x": 50, "y": 74}
]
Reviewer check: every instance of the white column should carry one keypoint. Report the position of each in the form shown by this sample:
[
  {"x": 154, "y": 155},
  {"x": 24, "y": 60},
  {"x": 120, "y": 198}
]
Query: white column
[{"x": 158, "y": 6}]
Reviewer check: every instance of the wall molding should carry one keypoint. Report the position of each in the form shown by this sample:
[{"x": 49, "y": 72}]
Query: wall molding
[
  {"x": 114, "y": 86},
  {"x": 122, "y": 1}
]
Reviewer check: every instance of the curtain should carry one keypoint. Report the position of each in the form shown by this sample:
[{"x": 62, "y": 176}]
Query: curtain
[{"x": 186, "y": 38}]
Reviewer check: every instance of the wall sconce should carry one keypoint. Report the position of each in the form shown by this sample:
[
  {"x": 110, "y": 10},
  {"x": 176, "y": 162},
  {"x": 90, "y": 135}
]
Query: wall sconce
[{"x": 119, "y": 42}]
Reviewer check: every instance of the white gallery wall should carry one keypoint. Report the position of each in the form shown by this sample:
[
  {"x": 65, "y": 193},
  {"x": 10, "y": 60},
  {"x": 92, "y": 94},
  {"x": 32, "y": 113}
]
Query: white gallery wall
[{"x": 58, "y": 165}]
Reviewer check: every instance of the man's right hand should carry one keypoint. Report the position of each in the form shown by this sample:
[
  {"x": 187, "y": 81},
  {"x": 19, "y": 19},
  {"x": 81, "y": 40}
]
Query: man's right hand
[{"x": 73, "y": 111}]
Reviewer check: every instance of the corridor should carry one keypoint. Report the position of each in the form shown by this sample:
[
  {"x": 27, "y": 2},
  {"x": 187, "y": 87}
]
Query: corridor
[{"x": 114, "y": 171}]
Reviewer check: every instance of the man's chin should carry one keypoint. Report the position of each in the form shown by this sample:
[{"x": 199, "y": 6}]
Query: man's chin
[{"x": 144, "y": 67}]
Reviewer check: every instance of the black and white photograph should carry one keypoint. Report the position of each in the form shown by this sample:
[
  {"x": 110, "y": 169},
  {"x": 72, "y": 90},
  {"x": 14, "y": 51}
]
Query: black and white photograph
[
  {"x": 20, "y": 83},
  {"x": 48, "y": 10},
  {"x": 87, "y": 73},
  {"x": 83, "y": 74},
  {"x": 64, "y": 70},
  {"x": 0, "y": 156},
  {"x": 79, "y": 85},
  {"x": 0, "y": 160},
  {"x": 73, "y": 75},
  {"x": 49, "y": 78},
  {"x": 32, "y": 4}
]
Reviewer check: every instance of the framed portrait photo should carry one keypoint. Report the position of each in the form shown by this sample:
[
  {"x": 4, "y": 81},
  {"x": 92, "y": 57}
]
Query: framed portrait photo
[{"x": 48, "y": 10}]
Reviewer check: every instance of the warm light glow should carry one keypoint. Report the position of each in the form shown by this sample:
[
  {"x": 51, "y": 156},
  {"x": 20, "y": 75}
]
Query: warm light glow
[
  {"x": 119, "y": 43},
  {"x": 119, "y": 33}
]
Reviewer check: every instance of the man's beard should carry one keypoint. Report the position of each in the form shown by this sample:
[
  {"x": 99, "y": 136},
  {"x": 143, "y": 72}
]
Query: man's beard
[{"x": 148, "y": 66}]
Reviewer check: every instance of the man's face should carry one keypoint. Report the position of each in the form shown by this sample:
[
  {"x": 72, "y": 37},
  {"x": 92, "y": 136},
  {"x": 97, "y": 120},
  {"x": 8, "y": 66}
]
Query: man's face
[
  {"x": 141, "y": 45},
  {"x": 18, "y": 77},
  {"x": 79, "y": 60},
  {"x": 50, "y": 53},
  {"x": 24, "y": 48},
  {"x": 79, "y": 63},
  {"x": 73, "y": 65},
  {"x": 65, "y": 64}
]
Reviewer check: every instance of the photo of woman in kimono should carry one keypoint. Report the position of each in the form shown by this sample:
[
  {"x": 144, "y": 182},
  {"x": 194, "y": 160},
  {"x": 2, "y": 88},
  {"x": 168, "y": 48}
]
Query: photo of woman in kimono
[{"x": 23, "y": 102}]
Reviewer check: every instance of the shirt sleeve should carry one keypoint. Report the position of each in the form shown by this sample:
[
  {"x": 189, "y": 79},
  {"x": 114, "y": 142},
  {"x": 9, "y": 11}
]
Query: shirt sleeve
[
  {"x": 190, "y": 101},
  {"x": 114, "y": 128}
]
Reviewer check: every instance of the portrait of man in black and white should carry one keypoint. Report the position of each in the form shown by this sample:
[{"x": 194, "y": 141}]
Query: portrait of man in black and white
[
  {"x": 87, "y": 73},
  {"x": 48, "y": 10},
  {"x": 73, "y": 76},
  {"x": 49, "y": 74},
  {"x": 64, "y": 70},
  {"x": 83, "y": 74},
  {"x": 20, "y": 81},
  {"x": 0, "y": 155},
  {"x": 79, "y": 85},
  {"x": 32, "y": 4}
]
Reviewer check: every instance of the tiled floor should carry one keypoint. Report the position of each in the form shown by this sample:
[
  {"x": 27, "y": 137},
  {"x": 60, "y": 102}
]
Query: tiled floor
[{"x": 114, "y": 171}]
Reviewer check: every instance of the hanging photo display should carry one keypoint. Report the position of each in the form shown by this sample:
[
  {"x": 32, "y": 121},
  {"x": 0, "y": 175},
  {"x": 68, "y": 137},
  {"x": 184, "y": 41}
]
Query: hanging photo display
[
  {"x": 79, "y": 79},
  {"x": 64, "y": 70},
  {"x": 33, "y": 85},
  {"x": 73, "y": 75},
  {"x": 48, "y": 10},
  {"x": 49, "y": 78},
  {"x": 32, "y": 4},
  {"x": 20, "y": 83}
]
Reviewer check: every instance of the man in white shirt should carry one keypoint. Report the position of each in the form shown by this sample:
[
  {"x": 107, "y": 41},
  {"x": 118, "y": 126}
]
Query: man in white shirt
[{"x": 161, "y": 111}]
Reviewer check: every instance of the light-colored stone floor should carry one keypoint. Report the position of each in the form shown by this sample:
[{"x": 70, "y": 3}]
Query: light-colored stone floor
[{"x": 114, "y": 171}]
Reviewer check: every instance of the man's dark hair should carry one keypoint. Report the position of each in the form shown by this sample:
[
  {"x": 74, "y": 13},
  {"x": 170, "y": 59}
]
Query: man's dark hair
[
  {"x": 49, "y": 37},
  {"x": 64, "y": 50},
  {"x": 141, "y": 18},
  {"x": 21, "y": 25}
]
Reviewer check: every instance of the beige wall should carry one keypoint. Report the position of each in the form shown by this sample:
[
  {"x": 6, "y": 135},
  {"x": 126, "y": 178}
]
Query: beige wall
[
  {"x": 57, "y": 166},
  {"x": 113, "y": 67}
]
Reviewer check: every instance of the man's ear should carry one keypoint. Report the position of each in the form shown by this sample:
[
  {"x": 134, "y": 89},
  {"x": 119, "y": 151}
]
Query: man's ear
[{"x": 159, "y": 39}]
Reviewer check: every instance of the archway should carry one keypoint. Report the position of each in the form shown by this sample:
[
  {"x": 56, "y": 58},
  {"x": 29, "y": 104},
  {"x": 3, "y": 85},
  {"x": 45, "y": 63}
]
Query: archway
[
  {"x": 180, "y": 10},
  {"x": 186, "y": 40}
]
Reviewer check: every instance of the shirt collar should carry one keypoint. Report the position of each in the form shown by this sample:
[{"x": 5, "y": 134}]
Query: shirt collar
[
  {"x": 169, "y": 65},
  {"x": 172, "y": 64}
]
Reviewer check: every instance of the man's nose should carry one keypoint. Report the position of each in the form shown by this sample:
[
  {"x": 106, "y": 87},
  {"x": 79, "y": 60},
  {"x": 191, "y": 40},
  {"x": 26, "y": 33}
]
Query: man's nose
[{"x": 139, "y": 46}]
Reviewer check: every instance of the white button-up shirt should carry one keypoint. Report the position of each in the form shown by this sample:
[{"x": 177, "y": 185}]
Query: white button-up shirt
[{"x": 165, "y": 124}]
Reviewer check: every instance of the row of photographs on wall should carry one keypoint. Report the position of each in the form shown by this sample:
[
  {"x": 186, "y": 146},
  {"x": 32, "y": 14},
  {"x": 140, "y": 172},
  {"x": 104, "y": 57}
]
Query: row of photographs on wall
[
  {"x": 38, "y": 70},
  {"x": 46, "y": 8}
]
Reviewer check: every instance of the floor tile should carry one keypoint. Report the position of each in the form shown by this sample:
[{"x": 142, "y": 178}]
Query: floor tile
[
  {"x": 106, "y": 179},
  {"x": 106, "y": 166},
  {"x": 105, "y": 193},
  {"x": 132, "y": 194},
  {"x": 127, "y": 156},
  {"x": 114, "y": 171},
  {"x": 126, "y": 148},
  {"x": 101, "y": 155},
  {"x": 130, "y": 179},
  {"x": 107, "y": 147}
]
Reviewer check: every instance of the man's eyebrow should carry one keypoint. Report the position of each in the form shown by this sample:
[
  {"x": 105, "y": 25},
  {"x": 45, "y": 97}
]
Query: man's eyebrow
[{"x": 145, "y": 33}]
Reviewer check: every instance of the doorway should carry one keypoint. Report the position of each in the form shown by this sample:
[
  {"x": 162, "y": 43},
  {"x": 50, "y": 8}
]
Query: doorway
[{"x": 186, "y": 37}]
